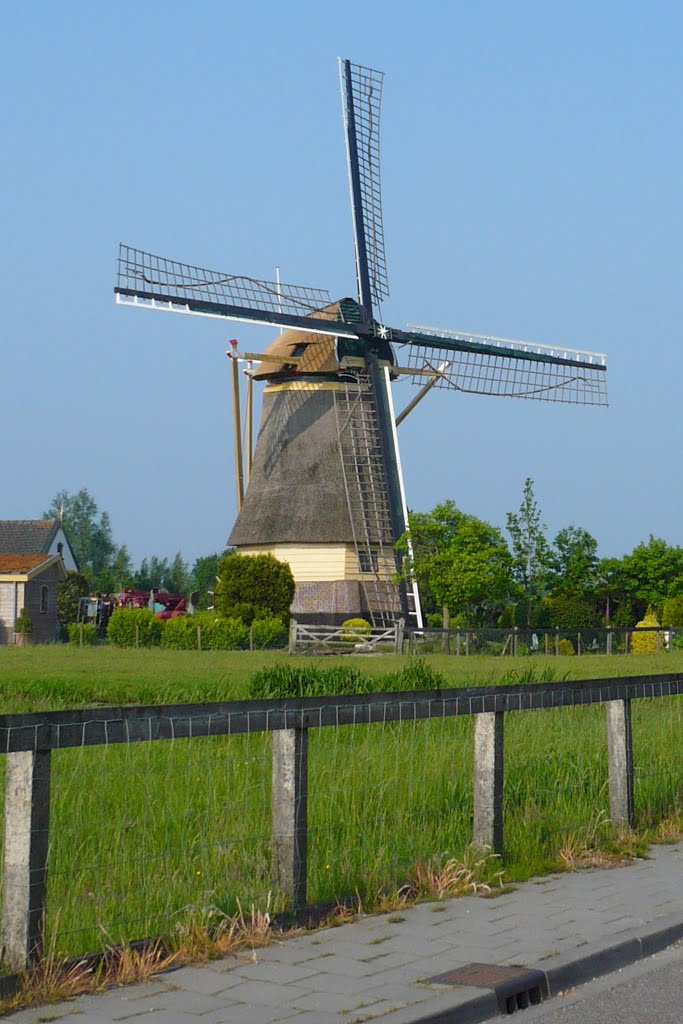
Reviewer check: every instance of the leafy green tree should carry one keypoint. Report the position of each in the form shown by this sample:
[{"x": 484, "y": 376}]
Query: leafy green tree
[
  {"x": 69, "y": 593},
  {"x": 653, "y": 571},
  {"x": 464, "y": 561},
  {"x": 532, "y": 557},
  {"x": 89, "y": 532},
  {"x": 118, "y": 575},
  {"x": 575, "y": 561},
  {"x": 644, "y": 578},
  {"x": 177, "y": 579},
  {"x": 203, "y": 578},
  {"x": 152, "y": 574},
  {"x": 252, "y": 586}
]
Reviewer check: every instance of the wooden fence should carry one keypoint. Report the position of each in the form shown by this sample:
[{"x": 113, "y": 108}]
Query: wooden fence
[
  {"x": 28, "y": 740},
  {"x": 332, "y": 639}
]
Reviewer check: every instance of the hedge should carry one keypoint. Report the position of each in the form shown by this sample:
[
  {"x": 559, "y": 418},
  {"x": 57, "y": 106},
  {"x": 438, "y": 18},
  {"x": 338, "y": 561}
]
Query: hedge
[
  {"x": 133, "y": 627},
  {"x": 82, "y": 633}
]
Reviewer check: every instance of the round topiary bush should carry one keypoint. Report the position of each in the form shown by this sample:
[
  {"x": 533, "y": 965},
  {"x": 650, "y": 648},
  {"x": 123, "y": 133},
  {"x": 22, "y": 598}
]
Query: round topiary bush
[{"x": 357, "y": 630}]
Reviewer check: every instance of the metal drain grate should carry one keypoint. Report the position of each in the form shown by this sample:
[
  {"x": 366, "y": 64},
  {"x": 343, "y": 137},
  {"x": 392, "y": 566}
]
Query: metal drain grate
[{"x": 516, "y": 988}]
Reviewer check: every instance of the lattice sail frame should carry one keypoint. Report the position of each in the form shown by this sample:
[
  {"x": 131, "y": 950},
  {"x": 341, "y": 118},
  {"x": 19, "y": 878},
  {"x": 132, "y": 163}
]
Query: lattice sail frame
[
  {"x": 486, "y": 365},
  {"x": 143, "y": 274},
  {"x": 366, "y": 86}
]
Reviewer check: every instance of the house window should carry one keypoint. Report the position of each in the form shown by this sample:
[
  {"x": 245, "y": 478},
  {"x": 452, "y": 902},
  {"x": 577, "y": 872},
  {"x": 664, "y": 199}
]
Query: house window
[
  {"x": 367, "y": 560},
  {"x": 43, "y": 600},
  {"x": 60, "y": 548}
]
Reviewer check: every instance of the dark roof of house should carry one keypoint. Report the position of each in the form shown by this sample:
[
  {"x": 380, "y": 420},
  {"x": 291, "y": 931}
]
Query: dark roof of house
[{"x": 27, "y": 536}]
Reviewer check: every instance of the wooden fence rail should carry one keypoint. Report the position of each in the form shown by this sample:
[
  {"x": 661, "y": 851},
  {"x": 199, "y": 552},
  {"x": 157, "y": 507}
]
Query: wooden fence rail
[{"x": 27, "y": 740}]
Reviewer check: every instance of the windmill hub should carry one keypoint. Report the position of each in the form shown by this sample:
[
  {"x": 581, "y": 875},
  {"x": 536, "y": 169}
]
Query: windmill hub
[{"x": 325, "y": 490}]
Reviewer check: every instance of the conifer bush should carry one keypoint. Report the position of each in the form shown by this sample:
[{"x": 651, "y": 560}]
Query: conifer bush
[{"x": 645, "y": 643}]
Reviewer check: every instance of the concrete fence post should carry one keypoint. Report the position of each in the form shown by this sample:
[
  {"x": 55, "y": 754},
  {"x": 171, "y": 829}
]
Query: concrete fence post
[
  {"x": 488, "y": 780},
  {"x": 620, "y": 761},
  {"x": 24, "y": 872},
  {"x": 290, "y": 812},
  {"x": 199, "y": 638},
  {"x": 557, "y": 641},
  {"x": 292, "y": 636}
]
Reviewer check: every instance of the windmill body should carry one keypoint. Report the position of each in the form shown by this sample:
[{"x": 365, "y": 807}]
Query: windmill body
[{"x": 325, "y": 490}]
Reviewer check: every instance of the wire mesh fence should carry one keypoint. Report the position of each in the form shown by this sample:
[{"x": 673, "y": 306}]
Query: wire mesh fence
[
  {"x": 147, "y": 838},
  {"x": 521, "y": 641}
]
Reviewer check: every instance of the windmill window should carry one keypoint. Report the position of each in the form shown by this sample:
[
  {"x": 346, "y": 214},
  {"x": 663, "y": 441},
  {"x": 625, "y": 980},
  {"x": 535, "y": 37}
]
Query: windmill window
[
  {"x": 43, "y": 600},
  {"x": 367, "y": 560}
]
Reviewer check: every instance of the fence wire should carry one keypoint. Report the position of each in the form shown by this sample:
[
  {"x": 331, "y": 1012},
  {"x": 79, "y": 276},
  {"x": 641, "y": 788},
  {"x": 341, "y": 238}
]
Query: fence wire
[{"x": 148, "y": 837}]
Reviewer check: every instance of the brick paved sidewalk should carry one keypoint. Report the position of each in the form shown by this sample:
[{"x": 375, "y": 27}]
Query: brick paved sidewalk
[{"x": 566, "y": 925}]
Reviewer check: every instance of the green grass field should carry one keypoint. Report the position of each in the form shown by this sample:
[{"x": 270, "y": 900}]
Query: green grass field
[{"x": 147, "y": 837}]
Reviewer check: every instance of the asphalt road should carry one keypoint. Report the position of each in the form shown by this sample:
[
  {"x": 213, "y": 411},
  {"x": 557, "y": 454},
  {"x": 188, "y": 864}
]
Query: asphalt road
[{"x": 648, "y": 992}]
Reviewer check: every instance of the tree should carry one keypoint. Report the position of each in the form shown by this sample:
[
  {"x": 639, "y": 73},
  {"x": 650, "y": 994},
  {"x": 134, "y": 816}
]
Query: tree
[
  {"x": 575, "y": 561},
  {"x": 69, "y": 593},
  {"x": 532, "y": 559},
  {"x": 152, "y": 574},
  {"x": 89, "y": 532},
  {"x": 253, "y": 586},
  {"x": 203, "y": 578},
  {"x": 464, "y": 561},
  {"x": 177, "y": 579},
  {"x": 652, "y": 572}
]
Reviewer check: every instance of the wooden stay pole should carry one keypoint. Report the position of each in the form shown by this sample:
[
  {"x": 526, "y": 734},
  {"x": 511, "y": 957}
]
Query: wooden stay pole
[
  {"x": 236, "y": 422},
  {"x": 249, "y": 414}
]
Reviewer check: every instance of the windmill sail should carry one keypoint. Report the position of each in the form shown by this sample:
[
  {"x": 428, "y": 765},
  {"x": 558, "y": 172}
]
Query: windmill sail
[
  {"x": 483, "y": 365},
  {"x": 362, "y": 101},
  {"x": 145, "y": 279}
]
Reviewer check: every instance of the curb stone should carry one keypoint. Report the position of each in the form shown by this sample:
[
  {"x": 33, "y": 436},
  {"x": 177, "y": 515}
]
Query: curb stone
[{"x": 563, "y": 971}]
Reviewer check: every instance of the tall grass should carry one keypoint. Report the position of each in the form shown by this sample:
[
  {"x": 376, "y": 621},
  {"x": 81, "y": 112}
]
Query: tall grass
[{"x": 147, "y": 838}]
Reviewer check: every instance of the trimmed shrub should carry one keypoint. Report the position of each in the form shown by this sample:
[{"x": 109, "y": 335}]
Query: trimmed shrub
[
  {"x": 82, "y": 633},
  {"x": 269, "y": 631},
  {"x": 359, "y": 628},
  {"x": 23, "y": 623},
  {"x": 180, "y": 634},
  {"x": 122, "y": 632},
  {"x": 645, "y": 643},
  {"x": 221, "y": 634},
  {"x": 566, "y": 647},
  {"x": 253, "y": 586},
  {"x": 570, "y": 611}
]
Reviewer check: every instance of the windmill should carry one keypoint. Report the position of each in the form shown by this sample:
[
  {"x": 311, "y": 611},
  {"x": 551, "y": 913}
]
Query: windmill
[{"x": 324, "y": 486}]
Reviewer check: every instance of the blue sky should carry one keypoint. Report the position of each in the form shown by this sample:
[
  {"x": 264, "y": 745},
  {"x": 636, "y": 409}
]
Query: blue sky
[{"x": 531, "y": 181}]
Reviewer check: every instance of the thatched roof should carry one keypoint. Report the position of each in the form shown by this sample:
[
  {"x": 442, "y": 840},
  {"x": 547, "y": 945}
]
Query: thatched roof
[{"x": 296, "y": 493}]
